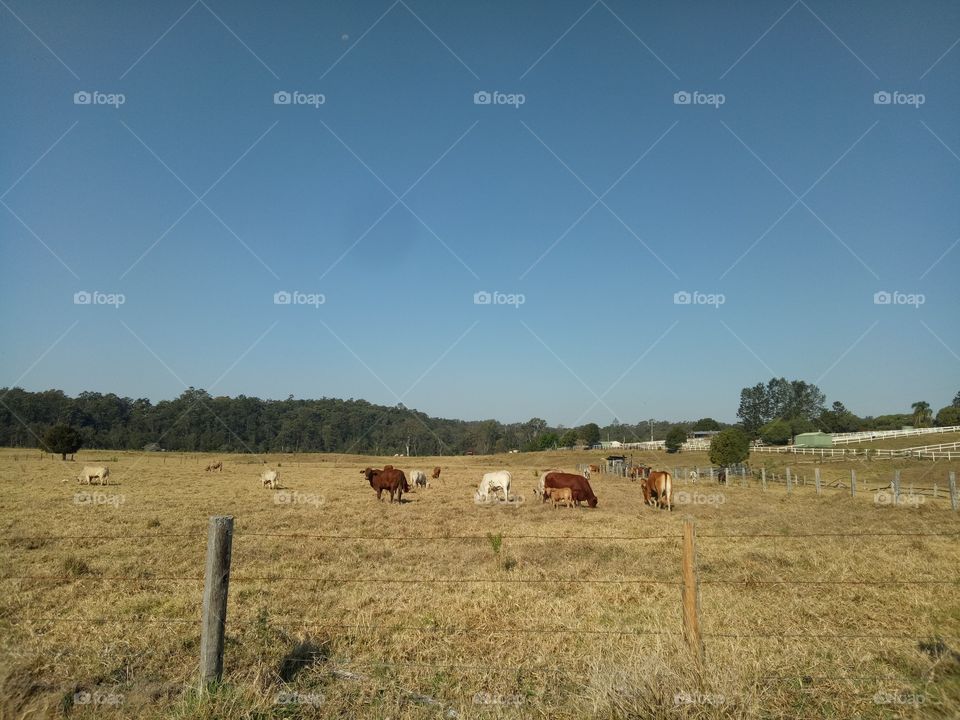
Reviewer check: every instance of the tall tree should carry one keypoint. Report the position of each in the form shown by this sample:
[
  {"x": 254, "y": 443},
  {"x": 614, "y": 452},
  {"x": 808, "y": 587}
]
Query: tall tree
[{"x": 922, "y": 414}]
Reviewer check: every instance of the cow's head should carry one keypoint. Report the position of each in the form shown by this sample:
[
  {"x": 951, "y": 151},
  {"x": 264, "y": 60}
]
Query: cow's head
[{"x": 592, "y": 502}]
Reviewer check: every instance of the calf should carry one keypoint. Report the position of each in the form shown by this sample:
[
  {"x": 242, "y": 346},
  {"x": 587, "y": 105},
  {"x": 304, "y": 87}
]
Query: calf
[
  {"x": 419, "y": 478},
  {"x": 436, "y": 473},
  {"x": 561, "y": 495},
  {"x": 271, "y": 478},
  {"x": 218, "y": 466}
]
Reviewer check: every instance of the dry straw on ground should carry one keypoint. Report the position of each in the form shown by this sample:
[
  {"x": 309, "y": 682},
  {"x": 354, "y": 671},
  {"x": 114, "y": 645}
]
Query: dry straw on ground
[{"x": 99, "y": 612}]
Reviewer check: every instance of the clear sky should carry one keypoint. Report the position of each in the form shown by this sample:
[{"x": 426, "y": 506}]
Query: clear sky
[{"x": 782, "y": 197}]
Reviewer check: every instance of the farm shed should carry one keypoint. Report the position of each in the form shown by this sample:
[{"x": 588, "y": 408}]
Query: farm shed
[{"x": 814, "y": 440}]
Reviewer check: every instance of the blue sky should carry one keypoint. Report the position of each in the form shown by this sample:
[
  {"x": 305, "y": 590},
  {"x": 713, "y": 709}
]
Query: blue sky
[{"x": 783, "y": 189}]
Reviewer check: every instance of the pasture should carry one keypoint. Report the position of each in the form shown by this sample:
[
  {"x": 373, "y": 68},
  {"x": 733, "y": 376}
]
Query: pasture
[{"x": 342, "y": 606}]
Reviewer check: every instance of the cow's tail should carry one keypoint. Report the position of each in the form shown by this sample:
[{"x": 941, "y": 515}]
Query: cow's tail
[{"x": 668, "y": 489}]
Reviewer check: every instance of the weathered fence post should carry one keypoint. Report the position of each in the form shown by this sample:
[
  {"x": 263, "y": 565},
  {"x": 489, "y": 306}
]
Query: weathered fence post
[
  {"x": 896, "y": 487},
  {"x": 216, "y": 582},
  {"x": 711, "y": 473},
  {"x": 816, "y": 479},
  {"x": 853, "y": 483},
  {"x": 789, "y": 483},
  {"x": 953, "y": 490},
  {"x": 743, "y": 476},
  {"x": 763, "y": 477},
  {"x": 691, "y": 593}
]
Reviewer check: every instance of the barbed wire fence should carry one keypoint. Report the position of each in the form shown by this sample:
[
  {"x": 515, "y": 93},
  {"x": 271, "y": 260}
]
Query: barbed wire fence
[{"x": 218, "y": 576}]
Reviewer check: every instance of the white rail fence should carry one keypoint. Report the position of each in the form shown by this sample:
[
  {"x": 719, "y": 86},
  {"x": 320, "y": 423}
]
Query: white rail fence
[{"x": 866, "y": 436}]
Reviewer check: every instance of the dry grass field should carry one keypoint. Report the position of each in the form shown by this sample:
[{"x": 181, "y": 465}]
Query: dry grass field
[{"x": 342, "y": 606}]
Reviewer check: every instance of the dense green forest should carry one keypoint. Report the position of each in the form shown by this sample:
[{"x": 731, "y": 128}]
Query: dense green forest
[{"x": 196, "y": 421}]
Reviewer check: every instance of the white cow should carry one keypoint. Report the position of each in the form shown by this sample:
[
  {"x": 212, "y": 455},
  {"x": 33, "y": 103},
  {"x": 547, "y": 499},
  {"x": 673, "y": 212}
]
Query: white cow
[
  {"x": 90, "y": 472},
  {"x": 493, "y": 481},
  {"x": 419, "y": 478},
  {"x": 270, "y": 477},
  {"x": 539, "y": 489}
]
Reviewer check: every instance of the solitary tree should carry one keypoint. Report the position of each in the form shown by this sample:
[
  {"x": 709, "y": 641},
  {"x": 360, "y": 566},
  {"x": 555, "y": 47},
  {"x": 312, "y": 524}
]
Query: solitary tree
[
  {"x": 956, "y": 400},
  {"x": 729, "y": 447},
  {"x": 675, "y": 439},
  {"x": 62, "y": 439},
  {"x": 922, "y": 414}
]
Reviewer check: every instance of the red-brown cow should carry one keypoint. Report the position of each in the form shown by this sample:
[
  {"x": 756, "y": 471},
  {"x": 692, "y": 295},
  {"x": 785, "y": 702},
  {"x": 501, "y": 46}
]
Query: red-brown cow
[
  {"x": 389, "y": 479},
  {"x": 578, "y": 484},
  {"x": 436, "y": 472}
]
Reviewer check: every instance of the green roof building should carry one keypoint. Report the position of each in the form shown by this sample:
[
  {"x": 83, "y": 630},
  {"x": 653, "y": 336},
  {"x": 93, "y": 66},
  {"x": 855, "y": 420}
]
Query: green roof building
[{"x": 814, "y": 440}]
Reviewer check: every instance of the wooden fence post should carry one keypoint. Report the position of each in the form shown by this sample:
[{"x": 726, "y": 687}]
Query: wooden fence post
[
  {"x": 953, "y": 490},
  {"x": 853, "y": 483},
  {"x": 896, "y": 487},
  {"x": 789, "y": 484},
  {"x": 691, "y": 593},
  {"x": 763, "y": 477},
  {"x": 743, "y": 476},
  {"x": 816, "y": 479},
  {"x": 711, "y": 473},
  {"x": 216, "y": 582}
]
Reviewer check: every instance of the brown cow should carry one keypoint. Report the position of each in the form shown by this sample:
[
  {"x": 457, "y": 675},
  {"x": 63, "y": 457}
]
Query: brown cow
[
  {"x": 389, "y": 479},
  {"x": 658, "y": 489},
  {"x": 218, "y": 466},
  {"x": 561, "y": 495},
  {"x": 436, "y": 472},
  {"x": 594, "y": 468},
  {"x": 578, "y": 484}
]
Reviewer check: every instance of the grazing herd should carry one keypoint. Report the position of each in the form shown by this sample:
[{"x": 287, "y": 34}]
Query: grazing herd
[{"x": 561, "y": 488}]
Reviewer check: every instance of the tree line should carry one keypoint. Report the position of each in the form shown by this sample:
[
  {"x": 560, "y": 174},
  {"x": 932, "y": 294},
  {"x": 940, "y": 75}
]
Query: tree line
[{"x": 196, "y": 421}]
